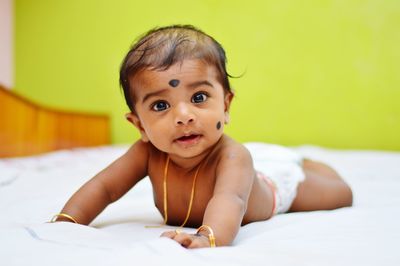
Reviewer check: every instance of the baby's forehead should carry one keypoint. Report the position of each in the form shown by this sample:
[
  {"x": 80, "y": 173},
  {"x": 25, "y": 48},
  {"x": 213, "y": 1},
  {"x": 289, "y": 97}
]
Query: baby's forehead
[{"x": 185, "y": 71}]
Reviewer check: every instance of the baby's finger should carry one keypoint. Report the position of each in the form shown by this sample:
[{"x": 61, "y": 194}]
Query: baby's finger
[
  {"x": 199, "y": 242},
  {"x": 169, "y": 234},
  {"x": 184, "y": 239}
]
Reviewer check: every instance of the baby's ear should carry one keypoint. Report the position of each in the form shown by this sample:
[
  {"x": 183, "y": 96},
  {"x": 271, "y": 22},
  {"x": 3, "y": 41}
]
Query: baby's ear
[
  {"x": 227, "y": 102},
  {"x": 134, "y": 119},
  {"x": 228, "y": 99}
]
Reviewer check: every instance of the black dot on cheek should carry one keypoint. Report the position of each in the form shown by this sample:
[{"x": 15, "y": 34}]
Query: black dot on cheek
[
  {"x": 173, "y": 82},
  {"x": 219, "y": 125}
]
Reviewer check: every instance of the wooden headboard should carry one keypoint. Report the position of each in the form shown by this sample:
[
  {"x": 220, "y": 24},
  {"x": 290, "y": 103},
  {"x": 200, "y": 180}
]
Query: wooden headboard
[{"x": 27, "y": 128}]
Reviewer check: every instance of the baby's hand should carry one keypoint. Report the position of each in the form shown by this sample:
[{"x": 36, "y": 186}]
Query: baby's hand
[{"x": 188, "y": 240}]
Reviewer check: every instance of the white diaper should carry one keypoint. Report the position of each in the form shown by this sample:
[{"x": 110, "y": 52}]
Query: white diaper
[{"x": 283, "y": 167}]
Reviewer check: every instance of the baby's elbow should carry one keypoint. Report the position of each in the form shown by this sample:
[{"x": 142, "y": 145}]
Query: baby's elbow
[
  {"x": 350, "y": 196},
  {"x": 235, "y": 202},
  {"x": 242, "y": 204},
  {"x": 347, "y": 195}
]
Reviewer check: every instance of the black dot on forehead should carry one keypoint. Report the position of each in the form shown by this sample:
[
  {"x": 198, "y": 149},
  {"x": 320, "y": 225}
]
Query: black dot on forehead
[
  {"x": 218, "y": 125},
  {"x": 173, "y": 82}
]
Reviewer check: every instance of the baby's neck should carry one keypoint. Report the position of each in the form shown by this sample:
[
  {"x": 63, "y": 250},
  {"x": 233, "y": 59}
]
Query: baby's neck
[{"x": 188, "y": 164}]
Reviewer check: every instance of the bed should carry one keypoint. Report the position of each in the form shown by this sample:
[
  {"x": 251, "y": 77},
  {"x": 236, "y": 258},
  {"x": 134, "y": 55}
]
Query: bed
[{"x": 35, "y": 187}]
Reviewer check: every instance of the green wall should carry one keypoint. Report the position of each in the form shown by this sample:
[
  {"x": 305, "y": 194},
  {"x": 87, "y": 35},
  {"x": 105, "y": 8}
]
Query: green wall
[{"x": 315, "y": 72}]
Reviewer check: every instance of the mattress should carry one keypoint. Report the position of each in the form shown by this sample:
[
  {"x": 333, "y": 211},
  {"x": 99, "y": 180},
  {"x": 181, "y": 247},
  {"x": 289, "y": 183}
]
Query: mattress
[{"x": 33, "y": 189}]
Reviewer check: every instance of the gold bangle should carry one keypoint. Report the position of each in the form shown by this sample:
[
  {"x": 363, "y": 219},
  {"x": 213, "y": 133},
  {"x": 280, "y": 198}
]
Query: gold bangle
[
  {"x": 211, "y": 236},
  {"x": 54, "y": 219}
]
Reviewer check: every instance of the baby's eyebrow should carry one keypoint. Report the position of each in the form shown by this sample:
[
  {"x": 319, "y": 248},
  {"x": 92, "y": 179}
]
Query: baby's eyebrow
[
  {"x": 152, "y": 94},
  {"x": 192, "y": 85},
  {"x": 196, "y": 84}
]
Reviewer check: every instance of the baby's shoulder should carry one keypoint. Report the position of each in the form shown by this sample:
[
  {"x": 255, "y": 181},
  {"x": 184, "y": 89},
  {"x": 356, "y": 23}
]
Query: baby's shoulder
[
  {"x": 141, "y": 150},
  {"x": 234, "y": 161},
  {"x": 233, "y": 150}
]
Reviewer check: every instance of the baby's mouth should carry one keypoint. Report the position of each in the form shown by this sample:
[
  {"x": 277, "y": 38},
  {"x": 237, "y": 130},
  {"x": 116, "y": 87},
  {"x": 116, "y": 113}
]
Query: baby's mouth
[{"x": 188, "y": 139}]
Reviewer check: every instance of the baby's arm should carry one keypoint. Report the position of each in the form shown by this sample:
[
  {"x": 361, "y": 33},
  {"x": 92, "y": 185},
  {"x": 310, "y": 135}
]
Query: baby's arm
[
  {"x": 108, "y": 185},
  {"x": 225, "y": 210}
]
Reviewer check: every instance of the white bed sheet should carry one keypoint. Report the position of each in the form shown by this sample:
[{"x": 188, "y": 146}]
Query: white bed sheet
[{"x": 32, "y": 189}]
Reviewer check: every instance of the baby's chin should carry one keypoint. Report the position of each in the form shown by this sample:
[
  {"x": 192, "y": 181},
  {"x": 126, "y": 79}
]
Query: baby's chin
[
  {"x": 188, "y": 154},
  {"x": 189, "y": 147},
  {"x": 199, "y": 152}
]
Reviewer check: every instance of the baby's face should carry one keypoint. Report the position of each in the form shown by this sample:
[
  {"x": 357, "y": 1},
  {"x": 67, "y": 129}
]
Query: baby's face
[{"x": 181, "y": 110}]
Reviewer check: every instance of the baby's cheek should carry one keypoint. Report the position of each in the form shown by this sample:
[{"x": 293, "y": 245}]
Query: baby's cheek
[{"x": 219, "y": 125}]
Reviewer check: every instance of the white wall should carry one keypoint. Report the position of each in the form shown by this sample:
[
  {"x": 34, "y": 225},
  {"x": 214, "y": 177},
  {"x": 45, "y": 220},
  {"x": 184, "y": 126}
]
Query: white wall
[{"x": 7, "y": 43}]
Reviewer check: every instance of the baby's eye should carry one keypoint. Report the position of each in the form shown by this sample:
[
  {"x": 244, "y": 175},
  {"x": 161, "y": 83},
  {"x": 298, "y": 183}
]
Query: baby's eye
[
  {"x": 160, "y": 106},
  {"x": 199, "y": 97}
]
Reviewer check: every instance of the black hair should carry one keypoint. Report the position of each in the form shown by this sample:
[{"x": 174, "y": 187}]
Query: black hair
[{"x": 160, "y": 48}]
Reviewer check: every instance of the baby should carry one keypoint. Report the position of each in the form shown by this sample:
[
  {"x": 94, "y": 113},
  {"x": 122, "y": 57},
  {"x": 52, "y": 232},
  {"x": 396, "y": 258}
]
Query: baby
[{"x": 176, "y": 86}]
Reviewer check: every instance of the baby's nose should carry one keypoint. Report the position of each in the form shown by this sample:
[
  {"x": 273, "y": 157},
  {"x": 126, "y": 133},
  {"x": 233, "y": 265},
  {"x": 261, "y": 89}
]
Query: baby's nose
[{"x": 184, "y": 115}]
